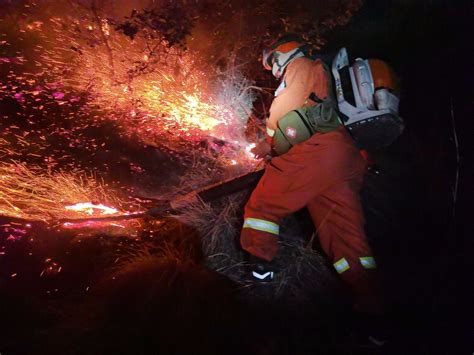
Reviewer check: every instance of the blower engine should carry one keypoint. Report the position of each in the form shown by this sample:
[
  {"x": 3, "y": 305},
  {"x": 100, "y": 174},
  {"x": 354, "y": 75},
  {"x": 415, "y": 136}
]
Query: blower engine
[{"x": 366, "y": 99}]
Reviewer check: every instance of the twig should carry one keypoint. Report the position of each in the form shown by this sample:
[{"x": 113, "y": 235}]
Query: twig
[
  {"x": 456, "y": 144},
  {"x": 110, "y": 54}
]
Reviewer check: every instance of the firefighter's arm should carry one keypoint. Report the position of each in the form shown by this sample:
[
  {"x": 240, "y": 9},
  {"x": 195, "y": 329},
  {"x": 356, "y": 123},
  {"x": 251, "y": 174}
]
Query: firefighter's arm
[
  {"x": 301, "y": 78},
  {"x": 299, "y": 81}
]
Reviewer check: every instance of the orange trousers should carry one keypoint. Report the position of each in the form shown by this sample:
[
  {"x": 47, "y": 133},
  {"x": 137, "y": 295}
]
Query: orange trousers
[{"x": 324, "y": 174}]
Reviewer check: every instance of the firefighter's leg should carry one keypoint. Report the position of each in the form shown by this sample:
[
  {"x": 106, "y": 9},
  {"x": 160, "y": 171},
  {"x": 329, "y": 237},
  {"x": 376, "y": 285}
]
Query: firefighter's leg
[
  {"x": 338, "y": 217},
  {"x": 269, "y": 202},
  {"x": 291, "y": 181}
]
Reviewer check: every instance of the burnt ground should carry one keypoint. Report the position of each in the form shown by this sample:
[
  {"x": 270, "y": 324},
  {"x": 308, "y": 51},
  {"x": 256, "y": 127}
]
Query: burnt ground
[{"x": 171, "y": 303}]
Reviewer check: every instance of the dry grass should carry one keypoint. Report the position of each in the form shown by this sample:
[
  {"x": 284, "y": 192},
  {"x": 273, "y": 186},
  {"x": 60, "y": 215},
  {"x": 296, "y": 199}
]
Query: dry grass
[
  {"x": 235, "y": 92},
  {"x": 218, "y": 226},
  {"x": 303, "y": 276}
]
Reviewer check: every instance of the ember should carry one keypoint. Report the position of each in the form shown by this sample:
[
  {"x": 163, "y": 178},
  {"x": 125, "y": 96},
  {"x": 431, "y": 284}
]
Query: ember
[{"x": 91, "y": 208}]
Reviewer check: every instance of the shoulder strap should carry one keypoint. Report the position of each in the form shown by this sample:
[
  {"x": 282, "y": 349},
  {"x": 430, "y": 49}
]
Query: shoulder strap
[{"x": 315, "y": 98}]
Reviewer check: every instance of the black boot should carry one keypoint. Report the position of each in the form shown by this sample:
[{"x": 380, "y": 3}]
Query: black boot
[
  {"x": 374, "y": 328},
  {"x": 260, "y": 270}
]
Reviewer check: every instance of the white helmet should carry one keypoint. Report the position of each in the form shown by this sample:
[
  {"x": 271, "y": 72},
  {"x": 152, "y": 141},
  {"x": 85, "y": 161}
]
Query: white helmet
[{"x": 282, "y": 52}]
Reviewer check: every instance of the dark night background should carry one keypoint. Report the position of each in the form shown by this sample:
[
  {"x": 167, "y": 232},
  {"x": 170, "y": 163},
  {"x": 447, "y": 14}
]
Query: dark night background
[
  {"x": 427, "y": 247},
  {"x": 421, "y": 232}
]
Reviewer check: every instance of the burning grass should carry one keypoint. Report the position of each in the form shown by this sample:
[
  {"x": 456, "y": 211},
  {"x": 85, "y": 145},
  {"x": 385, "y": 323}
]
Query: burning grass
[
  {"x": 84, "y": 76},
  {"x": 30, "y": 193},
  {"x": 154, "y": 91},
  {"x": 85, "y": 73}
]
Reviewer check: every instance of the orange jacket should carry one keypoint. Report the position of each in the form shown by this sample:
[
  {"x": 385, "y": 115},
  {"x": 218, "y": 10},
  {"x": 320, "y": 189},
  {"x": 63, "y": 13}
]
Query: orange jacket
[{"x": 303, "y": 76}]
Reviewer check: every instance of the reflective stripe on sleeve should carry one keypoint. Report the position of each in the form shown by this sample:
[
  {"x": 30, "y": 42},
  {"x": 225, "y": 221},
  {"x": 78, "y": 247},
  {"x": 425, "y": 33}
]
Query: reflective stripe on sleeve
[
  {"x": 262, "y": 225},
  {"x": 270, "y": 132},
  {"x": 368, "y": 262},
  {"x": 341, "y": 265}
]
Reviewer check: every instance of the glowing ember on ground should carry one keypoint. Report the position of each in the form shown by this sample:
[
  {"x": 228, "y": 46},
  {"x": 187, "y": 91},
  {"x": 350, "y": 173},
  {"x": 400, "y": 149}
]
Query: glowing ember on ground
[
  {"x": 91, "y": 208},
  {"x": 130, "y": 228}
]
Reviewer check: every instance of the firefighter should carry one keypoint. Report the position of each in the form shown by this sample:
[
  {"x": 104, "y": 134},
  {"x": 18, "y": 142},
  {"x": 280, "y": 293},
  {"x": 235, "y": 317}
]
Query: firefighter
[{"x": 323, "y": 173}]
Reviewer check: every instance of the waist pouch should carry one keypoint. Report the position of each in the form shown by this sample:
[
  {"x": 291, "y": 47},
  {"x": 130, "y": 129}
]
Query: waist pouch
[{"x": 300, "y": 124}]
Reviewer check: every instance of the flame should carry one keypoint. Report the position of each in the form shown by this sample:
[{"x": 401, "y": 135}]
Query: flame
[
  {"x": 160, "y": 95},
  {"x": 164, "y": 96},
  {"x": 249, "y": 148},
  {"x": 89, "y": 208}
]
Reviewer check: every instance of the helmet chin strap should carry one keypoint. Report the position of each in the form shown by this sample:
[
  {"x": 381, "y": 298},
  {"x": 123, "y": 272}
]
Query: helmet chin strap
[{"x": 283, "y": 59}]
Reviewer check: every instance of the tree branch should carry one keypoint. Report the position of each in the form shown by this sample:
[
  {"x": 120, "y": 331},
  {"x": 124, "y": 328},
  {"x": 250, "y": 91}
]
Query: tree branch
[
  {"x": 110, "y": 54},
  {"x": 456, "y": 144}
]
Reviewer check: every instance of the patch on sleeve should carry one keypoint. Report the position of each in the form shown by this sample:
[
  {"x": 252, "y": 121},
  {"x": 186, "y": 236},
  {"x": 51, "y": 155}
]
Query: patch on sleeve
[{"x": 290, "y": 132}]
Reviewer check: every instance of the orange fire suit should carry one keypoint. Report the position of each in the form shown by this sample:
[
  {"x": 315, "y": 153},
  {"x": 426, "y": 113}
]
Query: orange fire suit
[{"x": 323, "y": 173}]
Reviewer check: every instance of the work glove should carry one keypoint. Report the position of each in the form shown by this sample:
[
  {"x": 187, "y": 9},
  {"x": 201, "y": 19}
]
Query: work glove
[
  {"x": 262, "y": 150},
  {"x": 260, "y": 270}
]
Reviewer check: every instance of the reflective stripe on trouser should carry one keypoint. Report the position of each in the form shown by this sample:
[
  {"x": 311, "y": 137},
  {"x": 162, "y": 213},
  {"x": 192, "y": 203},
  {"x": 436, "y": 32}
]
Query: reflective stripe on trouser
[
  {"x": 262, "y": 225},
  {"x": 367, "y": 262},
  {"x": 341, "y": 265},
  {"x": 323, "y": 173}
]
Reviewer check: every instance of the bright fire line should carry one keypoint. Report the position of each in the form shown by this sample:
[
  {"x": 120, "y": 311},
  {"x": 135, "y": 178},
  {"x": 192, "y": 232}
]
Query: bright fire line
[{"x": 89, "y": 208}]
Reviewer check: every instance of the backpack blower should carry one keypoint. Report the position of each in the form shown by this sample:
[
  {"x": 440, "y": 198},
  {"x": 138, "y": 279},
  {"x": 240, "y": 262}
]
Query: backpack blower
[
  {"x": 366, "y": 100},
  {"x": 363, "y": 97}
]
